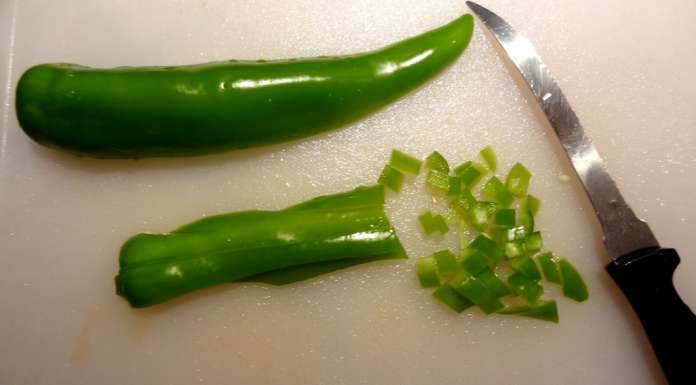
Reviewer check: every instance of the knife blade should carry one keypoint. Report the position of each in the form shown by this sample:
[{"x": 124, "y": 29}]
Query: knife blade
[{"x": 640, "y": 267}]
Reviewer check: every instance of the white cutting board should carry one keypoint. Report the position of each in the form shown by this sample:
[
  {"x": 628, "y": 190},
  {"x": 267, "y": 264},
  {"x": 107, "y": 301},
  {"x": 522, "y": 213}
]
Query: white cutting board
[{"x": 627, "y": 68}]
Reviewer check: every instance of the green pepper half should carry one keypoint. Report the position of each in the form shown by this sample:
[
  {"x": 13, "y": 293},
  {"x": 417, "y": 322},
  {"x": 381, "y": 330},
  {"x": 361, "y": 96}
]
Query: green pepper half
[{"x": 320, "y": 235}]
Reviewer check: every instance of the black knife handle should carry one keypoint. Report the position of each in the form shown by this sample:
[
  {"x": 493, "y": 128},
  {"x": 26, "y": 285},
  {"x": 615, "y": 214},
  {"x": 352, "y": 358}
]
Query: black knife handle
[{"x": 645, "y": 277}]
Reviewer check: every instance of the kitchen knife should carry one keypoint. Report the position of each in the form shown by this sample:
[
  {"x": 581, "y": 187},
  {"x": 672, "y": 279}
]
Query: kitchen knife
[{"x": 640, "y": 267}]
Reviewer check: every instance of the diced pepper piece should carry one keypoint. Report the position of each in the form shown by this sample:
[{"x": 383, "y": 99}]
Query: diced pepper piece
[
  {"x": 488, "y": 247},
  {"x": 517, "y": 180},
  {"x": 433, "y": 223},
  {"x": 391, "y": 178},
  {"x": 476, "y": 292},
  {"x": 480, "y": 214},
  {"x": 533, "y": 242},
  {"x": 549, "y": 266},
  {"x": 426, "y": 269},
  {"x": 472, "y": 174},
  {"x": 452, "y": 299},
  {"x": 514, "y": 249},
  {"x": 438, "y": 180},
  {"x": 455, "y": 186},
  {"x": 518, "y": 233},
  {"x": 505, "y": 217},
  {"x": 474, "y": 261},
  {"x": 544, "y": 310},
  {"x": 531, "y": 204},
  {"x": 496, "y": 191},
  {"x": 463, "y": 203},
  {"x": 491, "y": 281},
  {"x": 437, "y": 162},
  {"x": 459, "y": 169},
  {"x": 405, "y": 162},
  {"x": 525, "y": 266},
  {"x": 489, "y": 157},
  {"x": 447, "y": 265},
  {"x": 572, "y": 283},
  {"x": 526, "y": 288},
  {"x": 526, "y": 220}
]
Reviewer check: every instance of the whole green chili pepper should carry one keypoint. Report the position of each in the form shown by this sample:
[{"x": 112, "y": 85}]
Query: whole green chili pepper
[
  {"x": 320, "y": 235},
  {"x": 131, "y": 112}
]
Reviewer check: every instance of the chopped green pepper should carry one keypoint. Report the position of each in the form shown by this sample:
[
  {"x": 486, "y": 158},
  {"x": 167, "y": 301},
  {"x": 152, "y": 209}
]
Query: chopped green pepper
[
  {"x": 496, "y": 191},
  {"x": 517, "y": 180},
  {"x": 549, "y": 266},
  {"x": 533, "y": 242},
  {"x": 459, "y": 169},
  {"x": 480, "y": 214},
  {"x": 572, "y": 283},
  {"x": 518, "y": 233},
  {"x": 452, "y": 299},
  {"x": 447, "y": 265},
  {"x": 455, "y": 186},
  {"x": 433, "y": 223},
  {"x": 438, "y": 180},
  {"x": 437, "y": 162},
  {"x": 526, "y": 266},
  {"x": 489, "y": 157},
  {"x": 391, "y": 178},
  {"x": 474, "y": 261},
  {"x": 544, "y": 310},
  {"x": 480, "y": 295},
  {"x": 404, "y": 162},
  {"x": 487, "y": 246},
  {"x": 525, "y": 287},
  {"x": 130, "y": 112},
  {"x": 514, "y": 249},
  {"x": 489, "y": 279},
  {"x": 230, "y": 247},
  {"x": 471, "y": 174},
  {"x": 530, "y": 204},
  {"x": 505, "y": 217},
  {"x": 426, "y": 268}
]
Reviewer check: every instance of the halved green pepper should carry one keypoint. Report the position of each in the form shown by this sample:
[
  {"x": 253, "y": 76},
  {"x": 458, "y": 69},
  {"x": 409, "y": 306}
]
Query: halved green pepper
[
  {"x": 320, "y": 235},
  {"x": 135, "y": 112}
]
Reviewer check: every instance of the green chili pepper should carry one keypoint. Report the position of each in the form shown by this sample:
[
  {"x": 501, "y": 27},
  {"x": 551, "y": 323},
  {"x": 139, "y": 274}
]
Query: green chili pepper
[
  {"x": 131, "y": 112},
  {"x": 297, "y": 242}
]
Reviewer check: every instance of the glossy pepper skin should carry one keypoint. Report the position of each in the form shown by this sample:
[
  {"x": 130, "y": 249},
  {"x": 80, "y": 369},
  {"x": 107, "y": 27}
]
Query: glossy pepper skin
[
  {"x": 200, "y": 109},
  {"x": 320, "y": 235}
]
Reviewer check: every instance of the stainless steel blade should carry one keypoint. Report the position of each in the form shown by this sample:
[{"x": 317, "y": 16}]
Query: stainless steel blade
[{"x": 623, "y": 231}]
